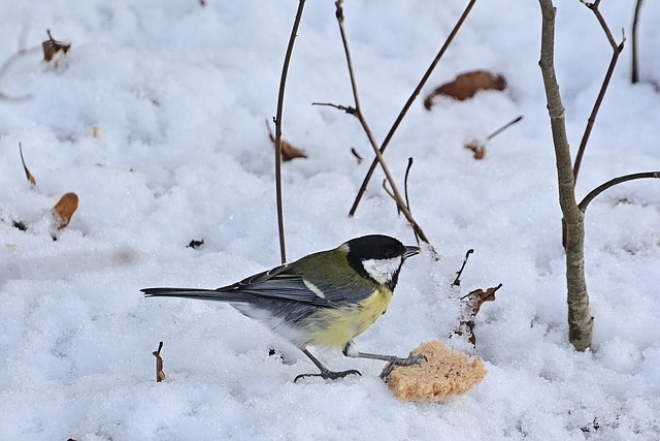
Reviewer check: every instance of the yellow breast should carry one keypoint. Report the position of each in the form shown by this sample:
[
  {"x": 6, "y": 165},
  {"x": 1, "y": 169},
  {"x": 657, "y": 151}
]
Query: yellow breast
[{"x": 334, "y": 328}]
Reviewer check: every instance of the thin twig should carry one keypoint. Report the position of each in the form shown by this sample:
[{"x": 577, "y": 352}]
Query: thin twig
[
  {"x": 348, "y": 109},
  {"x": 405, "y": 191},
  {"x": 504, "y": 127},
  {"x": 401, "y": 206},
  {"x": 405, "y": 181},
  {"x": 278, "y": 130},
  {"x": 457, "y": 280},
  {"x": 390, "y": 194},
  {"x": 635, "y": 68},
  {"x": 408, "y": 103},
  {"x": 616, "y": 51},
  {"x": 357, "y": 155},
  {"x": 611, "y": 183}
]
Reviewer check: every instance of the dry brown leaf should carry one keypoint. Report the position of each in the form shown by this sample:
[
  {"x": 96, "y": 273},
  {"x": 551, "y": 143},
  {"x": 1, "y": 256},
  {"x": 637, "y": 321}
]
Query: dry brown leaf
[
  {"x": 288, "y": 151},
  {"x": 54, "y": 49},
  {"x": 471, "y": 307},
  {"x": 28, "y": 175},
  {"x": 96, "y": 132},
  {"x": 160, "y": 375},
  {"x": 466, "y": 85},
  {"x": 64, "y": 209},
  {"x": 477, "y": 148}
]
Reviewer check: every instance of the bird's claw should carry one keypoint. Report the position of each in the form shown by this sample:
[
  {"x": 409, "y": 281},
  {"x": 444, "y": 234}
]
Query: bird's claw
[
  {"x": 329, "y": 375},
  {"x": 398, "y": 361}
]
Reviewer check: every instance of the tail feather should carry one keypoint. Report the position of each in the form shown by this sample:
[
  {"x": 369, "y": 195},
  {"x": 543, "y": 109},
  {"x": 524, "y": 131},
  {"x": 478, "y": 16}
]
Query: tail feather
[{"x": 196, "y": 293}]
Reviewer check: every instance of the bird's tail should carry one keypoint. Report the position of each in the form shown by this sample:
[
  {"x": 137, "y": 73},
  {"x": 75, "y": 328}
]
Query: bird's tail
[{"x": 196, "y": 293}]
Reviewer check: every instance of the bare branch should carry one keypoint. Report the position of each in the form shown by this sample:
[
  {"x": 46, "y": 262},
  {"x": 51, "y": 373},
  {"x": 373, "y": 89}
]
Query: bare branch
[
  {"x": 401, "y": 206},
  {"x": 616, "y": 51},
  {"x": 635, "y": 68},
  {"x": 611, "y": 183},
  {"x": 408, "y": 103},
  {"x": 278, "y": 130},
  {"x": 348, "y": 109}
]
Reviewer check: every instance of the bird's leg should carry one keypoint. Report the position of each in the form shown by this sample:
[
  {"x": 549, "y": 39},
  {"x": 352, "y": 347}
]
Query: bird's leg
[
  {"x": 351, "y": 350},
  {"x": 326, "y": 374}
]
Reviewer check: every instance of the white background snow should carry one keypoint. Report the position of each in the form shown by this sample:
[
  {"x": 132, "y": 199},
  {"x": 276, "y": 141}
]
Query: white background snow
[{"x": 178, "y": 94}]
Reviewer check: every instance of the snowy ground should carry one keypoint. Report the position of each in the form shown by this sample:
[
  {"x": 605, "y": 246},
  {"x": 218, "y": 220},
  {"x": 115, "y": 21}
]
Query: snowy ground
[{"x": 155, "y": 118}]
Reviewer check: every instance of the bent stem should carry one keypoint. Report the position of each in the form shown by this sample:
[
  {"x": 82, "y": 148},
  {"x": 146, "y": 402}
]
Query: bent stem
[
  {"x": 616, "y": 51},
  {"x": 278, "y": 130},
  {"x": 611, "y": 183}
]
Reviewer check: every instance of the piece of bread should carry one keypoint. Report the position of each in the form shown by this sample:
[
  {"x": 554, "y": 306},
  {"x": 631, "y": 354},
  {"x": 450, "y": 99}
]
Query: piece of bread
[{"x": 444, "y": 373}]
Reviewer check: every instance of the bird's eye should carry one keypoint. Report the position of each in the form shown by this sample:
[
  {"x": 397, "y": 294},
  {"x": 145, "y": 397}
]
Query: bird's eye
[{"x": 390, "y": 253}]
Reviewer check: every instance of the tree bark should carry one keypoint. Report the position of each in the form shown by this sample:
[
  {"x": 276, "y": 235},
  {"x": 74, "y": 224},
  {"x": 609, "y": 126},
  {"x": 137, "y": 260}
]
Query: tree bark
[{"x": 580, "y": 321}]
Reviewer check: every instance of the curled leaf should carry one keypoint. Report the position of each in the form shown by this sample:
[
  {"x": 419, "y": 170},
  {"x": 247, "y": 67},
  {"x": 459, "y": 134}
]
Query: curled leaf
[
  {"x": 477, "y": 148},
  {"x": 288, "y": 151},
  {"x": 54, "y": 49},
  {"x": 466, "y": 85},
  {"x": 64, "y": 209},
  {"x": 28, "y": 175},
  {"x": 471, "y": 306},
  {"x": 160, "y": 375}
]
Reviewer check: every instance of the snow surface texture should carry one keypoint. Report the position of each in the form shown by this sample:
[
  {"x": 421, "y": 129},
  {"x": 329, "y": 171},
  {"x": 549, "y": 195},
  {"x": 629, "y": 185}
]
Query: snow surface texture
[{"x": 178, "y": 94}]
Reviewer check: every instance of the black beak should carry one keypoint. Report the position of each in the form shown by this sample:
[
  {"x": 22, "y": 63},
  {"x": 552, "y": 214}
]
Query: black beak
[{"x": 411, "y": 251}]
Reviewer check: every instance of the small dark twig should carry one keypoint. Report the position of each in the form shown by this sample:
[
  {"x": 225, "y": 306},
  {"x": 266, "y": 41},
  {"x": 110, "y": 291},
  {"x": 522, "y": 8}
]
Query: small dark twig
[
  {"x": 390, "y": 194},
  {"x": 635, "y": 68},
  {"x": 616, "y": 51},
  {"x": 504, "y": 127},
  {"x": 457, "y": 281},
  {"x": 357, "y": 155},
  {"x": 408, "y": 104},
  {"x": 405, "y": 191},
  {"x": 348, "y": 109},
  {"x": 611, "y": 183},
  {"x": 278, "y": 130}
]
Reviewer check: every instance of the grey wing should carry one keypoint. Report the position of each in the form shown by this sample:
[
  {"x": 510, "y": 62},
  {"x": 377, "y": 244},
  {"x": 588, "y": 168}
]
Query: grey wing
[{"x": 282, "y": 284}]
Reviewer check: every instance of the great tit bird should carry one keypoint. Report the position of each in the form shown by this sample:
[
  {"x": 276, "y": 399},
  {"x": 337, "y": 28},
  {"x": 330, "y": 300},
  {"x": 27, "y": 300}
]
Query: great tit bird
[{"x": 324, "y": 299}]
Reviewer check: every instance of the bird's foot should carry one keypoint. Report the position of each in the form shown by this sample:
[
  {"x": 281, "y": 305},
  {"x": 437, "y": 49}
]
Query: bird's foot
[
  {"x": 329, "y": 375},
  {"x": 398, "y": 361}
]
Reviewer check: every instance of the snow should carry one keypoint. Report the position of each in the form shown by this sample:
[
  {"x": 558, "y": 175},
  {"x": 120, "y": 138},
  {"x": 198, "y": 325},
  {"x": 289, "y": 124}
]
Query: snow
[{"x": 178, "y": 93}]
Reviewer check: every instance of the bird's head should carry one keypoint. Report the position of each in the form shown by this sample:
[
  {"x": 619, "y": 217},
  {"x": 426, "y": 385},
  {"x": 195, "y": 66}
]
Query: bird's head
[{"x": 378, "y": 257}]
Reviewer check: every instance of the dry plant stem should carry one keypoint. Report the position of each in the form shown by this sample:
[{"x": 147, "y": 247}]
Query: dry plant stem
[
  {"x": 580, "y": 321},
  {"x": 504, "y": 127},
  {"x": 358, "y": 114},
  {"x": 635, "y": 68},
  {"x": 611, "y": 183},
  {"x": 408, "y": 103},
  {"x": 278, "y": 130},
  {"x": 616, "y": 51},
  {"x": 405, "y": 191},
  {"x": 459, "y": 273}
]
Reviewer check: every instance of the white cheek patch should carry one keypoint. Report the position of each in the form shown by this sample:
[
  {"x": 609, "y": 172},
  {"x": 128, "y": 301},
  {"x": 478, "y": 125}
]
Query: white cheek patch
[{"x": 382, "y": 270}]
